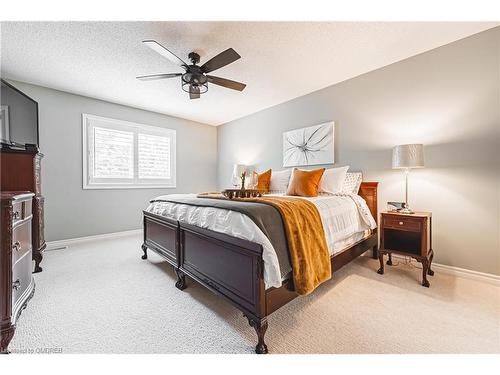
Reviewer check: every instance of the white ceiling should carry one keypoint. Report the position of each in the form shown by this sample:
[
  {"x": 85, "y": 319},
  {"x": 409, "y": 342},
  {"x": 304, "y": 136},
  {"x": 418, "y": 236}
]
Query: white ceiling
[{"x": 280, "y": 60}]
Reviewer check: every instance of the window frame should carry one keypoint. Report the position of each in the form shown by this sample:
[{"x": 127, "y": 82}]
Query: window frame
[{"x": 89, "y": 182}]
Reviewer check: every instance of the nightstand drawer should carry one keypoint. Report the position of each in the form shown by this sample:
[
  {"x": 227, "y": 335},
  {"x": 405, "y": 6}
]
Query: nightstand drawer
[{"x": 402, "y": 223}]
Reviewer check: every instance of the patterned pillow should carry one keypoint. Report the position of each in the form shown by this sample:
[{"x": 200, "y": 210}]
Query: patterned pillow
[
  {"x": 352, "y": 182},
  {"x": 333, "y": 179}
]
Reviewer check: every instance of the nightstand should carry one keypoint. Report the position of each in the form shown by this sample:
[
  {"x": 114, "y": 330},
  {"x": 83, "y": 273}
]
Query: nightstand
[{"x": 408, "y": 235}]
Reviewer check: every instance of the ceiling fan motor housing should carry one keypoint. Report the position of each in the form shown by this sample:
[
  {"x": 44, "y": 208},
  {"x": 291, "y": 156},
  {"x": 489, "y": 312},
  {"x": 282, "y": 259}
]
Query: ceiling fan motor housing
[{"x": 194, "y": 57}]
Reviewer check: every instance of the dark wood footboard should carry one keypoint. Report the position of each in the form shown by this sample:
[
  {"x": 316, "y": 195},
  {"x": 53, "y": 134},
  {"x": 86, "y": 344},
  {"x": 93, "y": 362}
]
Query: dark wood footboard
[
  {"x": 229, "y": 266},
  {"x": 161, "y": 235},
  {"x": 232, "y": 267}
]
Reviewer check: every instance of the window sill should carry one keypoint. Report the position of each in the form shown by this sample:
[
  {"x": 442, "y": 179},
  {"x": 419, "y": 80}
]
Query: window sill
[{"x": 127, "y": 186}]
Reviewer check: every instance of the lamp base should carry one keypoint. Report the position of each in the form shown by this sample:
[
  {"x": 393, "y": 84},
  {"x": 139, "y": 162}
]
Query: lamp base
[{"x": 406, "y": 210}]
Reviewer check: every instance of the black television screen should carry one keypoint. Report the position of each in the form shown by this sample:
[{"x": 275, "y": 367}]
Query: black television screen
[{"x": 18, "y": 117}]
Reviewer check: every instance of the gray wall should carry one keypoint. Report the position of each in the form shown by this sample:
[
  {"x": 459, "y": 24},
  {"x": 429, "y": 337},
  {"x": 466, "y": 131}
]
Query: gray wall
[
  {"x": 447, "y": 99},
  {"x": 74, "y": 212}
]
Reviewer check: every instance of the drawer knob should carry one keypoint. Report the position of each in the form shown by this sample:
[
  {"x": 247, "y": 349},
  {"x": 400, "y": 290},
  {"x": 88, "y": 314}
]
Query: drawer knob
[
  {"x": 17, "y": 246},
  {"x": 400, "y": 223},
  {"x": 16, "y": 215},
  {"x": 16, "y": 284}
]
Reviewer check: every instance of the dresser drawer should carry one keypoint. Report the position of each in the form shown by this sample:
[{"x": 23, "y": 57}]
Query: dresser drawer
[
  {"x": 402, "y": 223},
  {"x": 17, "y": 212},
  {"x": 21, "y": 277},
  {"x": 21, "y": 210},
  {"x": 21, "y": 240}
]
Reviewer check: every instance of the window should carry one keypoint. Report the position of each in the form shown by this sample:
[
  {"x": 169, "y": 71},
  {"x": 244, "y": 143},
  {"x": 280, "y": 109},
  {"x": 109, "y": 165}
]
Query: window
[{"x": 120, "y": 154}]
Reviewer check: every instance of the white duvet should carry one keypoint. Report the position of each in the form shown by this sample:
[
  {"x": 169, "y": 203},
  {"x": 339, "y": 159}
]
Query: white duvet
[{"x": 345, "y": 218}]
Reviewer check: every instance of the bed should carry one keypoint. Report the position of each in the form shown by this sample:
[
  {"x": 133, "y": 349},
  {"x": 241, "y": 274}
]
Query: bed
[{"x": 225, "y": 252}]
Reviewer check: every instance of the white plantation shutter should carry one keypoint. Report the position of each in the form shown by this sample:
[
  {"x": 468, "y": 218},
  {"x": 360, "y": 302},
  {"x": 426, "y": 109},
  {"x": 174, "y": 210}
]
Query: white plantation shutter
[
  {"x": 121, "y": 154},
  {"x": 154, "y": 156},
  {"x": 113, "y": 153}
]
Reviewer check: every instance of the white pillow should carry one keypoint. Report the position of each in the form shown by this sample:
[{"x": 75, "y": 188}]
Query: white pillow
[
  {"x": 352, "y": 182},
  {"x": 332, "y": 180},
  {"x": 279, "y": 181}
]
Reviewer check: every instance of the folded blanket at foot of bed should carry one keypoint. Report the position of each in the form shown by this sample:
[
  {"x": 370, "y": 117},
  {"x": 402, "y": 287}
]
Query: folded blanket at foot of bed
[{"x": 306, "y": 240}]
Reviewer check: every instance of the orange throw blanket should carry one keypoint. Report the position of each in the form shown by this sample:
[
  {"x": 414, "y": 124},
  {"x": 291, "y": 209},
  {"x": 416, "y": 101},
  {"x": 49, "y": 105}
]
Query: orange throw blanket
[{"x": 309, "y": 254}]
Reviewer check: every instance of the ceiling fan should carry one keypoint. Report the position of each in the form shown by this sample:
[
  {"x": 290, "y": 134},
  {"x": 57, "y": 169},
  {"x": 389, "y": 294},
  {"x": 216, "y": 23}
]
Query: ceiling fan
[{"x": 195, "y": 79}]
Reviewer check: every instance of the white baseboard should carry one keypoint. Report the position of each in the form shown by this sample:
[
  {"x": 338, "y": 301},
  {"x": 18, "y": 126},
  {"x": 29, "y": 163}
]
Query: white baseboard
[
  {"x": 460, "y": 272},
  {"x": 468, "y": 274},
  {"x": 52, "y": 245}
]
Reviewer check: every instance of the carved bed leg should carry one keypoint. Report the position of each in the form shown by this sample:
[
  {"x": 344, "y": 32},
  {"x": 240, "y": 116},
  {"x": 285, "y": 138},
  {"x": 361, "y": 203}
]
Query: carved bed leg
[
  {"x": 389, "y": 261},
  {"x": 374, "y": 252},
  {"x": 425, "y": 268},
  {"x": 260, "y": 327},
  {"x": 381, "y": 260},
  {"x": 37, "y": 257},
  {"x": 429, "y": 271},
  {"x": 181, "y": 280},
  {"x": 145, "y": 250}
]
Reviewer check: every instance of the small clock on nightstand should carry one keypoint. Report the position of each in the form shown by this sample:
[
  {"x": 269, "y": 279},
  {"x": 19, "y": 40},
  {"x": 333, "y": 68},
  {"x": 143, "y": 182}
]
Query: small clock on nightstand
[{"x": 408, "y": 235}]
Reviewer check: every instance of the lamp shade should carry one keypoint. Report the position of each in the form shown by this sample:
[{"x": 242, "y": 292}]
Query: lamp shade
[
  {"x": 408, "y": 156},
  {"x": 238, "y": 169},
  {"x": 250, "y": 179}
]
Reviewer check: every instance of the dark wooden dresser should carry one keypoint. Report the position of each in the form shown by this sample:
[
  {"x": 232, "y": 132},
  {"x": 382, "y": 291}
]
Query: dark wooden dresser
[
  {"x": 16, "y": 280},
  {"x": 407, "y": 235},
  {"x": 21, "y": 171}
]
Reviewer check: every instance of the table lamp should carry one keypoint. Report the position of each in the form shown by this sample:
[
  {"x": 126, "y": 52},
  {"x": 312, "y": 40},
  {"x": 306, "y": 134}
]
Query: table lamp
[
  {"x": 238, "y": 171},
  {"x": 407, "y": 157}
]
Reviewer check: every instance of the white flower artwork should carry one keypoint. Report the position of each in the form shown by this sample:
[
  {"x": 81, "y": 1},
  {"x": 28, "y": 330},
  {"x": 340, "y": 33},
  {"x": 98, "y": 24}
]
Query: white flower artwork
[{"x": 309, "y": 146}]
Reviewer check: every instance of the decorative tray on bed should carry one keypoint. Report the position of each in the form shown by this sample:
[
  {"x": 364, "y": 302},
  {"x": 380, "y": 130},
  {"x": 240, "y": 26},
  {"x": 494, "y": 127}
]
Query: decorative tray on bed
[{"x": 241, "y": 193}]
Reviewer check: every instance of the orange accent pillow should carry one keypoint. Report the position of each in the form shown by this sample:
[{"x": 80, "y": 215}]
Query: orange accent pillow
[
  {"x": 305, "y": 183},
  {"x": 264, "y": 181}
]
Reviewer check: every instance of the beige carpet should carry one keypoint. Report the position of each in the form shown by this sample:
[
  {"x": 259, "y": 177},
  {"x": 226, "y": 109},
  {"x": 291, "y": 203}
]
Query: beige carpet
[{"x": 100, "y": 297}]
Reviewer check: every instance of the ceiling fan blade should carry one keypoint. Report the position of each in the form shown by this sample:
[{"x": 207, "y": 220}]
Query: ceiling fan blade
[
  {"x": 226, "y": 83},
  {"x": 157, "y": 47},
  {"x": 194, "y": 92},
  {"x": 222, "y": 59},
  {"x": 158, "y": 76}
]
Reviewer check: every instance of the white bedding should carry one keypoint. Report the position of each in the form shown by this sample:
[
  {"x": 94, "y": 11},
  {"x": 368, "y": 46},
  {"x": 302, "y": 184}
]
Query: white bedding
[{"x": 345, "y": 217}]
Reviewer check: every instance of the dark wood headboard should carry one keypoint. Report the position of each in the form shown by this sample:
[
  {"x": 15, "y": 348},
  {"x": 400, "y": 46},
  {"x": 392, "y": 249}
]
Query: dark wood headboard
[{"x": 368, "y": 191}]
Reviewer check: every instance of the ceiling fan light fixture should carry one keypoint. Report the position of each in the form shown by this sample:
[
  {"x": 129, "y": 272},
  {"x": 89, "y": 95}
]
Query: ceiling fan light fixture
[{"x": 194, "y": 88}]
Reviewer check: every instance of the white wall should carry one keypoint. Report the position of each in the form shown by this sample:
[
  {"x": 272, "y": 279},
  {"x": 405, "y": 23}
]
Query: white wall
[
  {"x": 447, "y": 99},
  {"x": 73, "y": 212}
]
